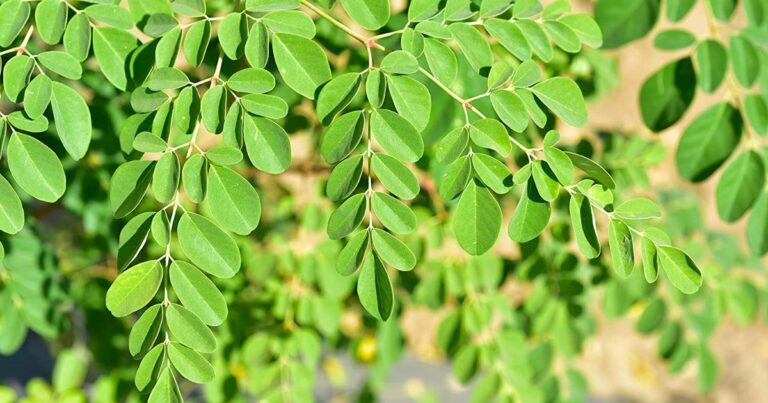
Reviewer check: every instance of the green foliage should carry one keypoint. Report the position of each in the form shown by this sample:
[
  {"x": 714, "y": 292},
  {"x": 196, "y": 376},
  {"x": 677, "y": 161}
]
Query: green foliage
[{"x": 190, "y": 140}]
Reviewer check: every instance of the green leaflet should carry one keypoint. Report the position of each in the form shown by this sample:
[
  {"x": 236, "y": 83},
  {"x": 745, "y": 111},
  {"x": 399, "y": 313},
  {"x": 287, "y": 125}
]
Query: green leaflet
[
  {"x": 213, "y": 108},
  {"x": 166, "y": 389},
  {"x": 224, "y": 154},
  {"x": 301, "y": 63},
  {"x": 638, "y": 209},
  {"x": 347, "y": 217},
  {"x": 673, "y": 39},
  {"x": 441, "y": 61},
  {"x": 392, "y": 250},
  {"x": 537, "y": 38},
  {"x": 190, "y": 364},
  {"x": 344, "y": 178},
  {"x": 11, "y": 211},
  {"x": 490, "y": 133},
  {"x": 133, "y": 237},
  {"x": 37, "y": 96},
  {"x": 412, "y": 42},
  {"x": 196, "y": 42},
  {"x": 457, "y": 10},
  {"x": 232, "y": 34},
  {"x": 393, "y": 214},
  {"x": 268, "y": 106},
  {"x": 13, "y": 17},
  {"x": 351, "y": 256},
  {"x": 35, "y": 168},
  {"x": 16, "y": 76},
  {"x": 411, "y": 99},
  {"x": 235, "y": 203},
  {"x": 189, "y": 8},
  {"x": 622, "y": 252},
  {"x": 490, "y": 8},
  {"x": 757, "y": 226},
  {"x": 50, "y": 20},
  {"x": 188, "y": 329},
  {"x": 395, "y": 176},
  {"x": 563, "y": 36},
  {"x": 160, "y": 229},
  {"x": 652, "y": 317},
  {"x": 252, "y": 81},
  {"x": 186, "y": 109},
  {"x": 167, "y": 78},
  {"x": 145, "y": 331},
  {"x": 740, "y": 185},
  {"x": 560, "y": 164},
  {"x": 167, "y": 49},
  {"x": 374, "y": 288},
  {"x": 744, "y": 59},
  {"x": 134, "y": 288},
  {"x": 473, "y": 46},
  {"x": 526, "y": 74},
  {"x": 564, "y": 98},
  {"x": 678, "y": 9},
  {"x": 648, "y": 242},
  {"x": 194, "y": 177},
  {"x": 290, "y": 22},
  {"x": 77, "y": 37},
  {"x": 110, "y": 14},
  {"x": 492, "y": 172},
  {"x": 165, "y": 177},
  {"x": 592, "y": 169},
  {"x": 712, "y": 64},
  {"x": 585, "y": 28},
  {"x": 510, "y": 37},
  {"x": 270, "y": 5},
  {"x": 207, "y": 246},
  {"x": 396, "y": 135},
  {"x": 342, "y": 136},
  {"x": 72, "y": 118},
  {"x": 708, "y": 141},
  {"x": 370, "y": 14},
  {"x": 23, "y": 123},
  {"x": 149, "y": 142},
  {"x": 531, "y": 215},
  {"x": 336, "y": 95},
  {"x": 198, "y": 293},
  {"x": 756, "y": 109},
  {"x": 477, "y": 220},
  {"x": 376, "y": 88},
  {"x": 399, "y": 62},
  {"x": 455, "y": 178},
  {"x": 452, "y": 145},
  {"x": 267, "y": 144},
  {"x": 623, "y": 21},
  {"x": 545, "y": 180},
  {"x": 510, "y": 109},
  {"x": 257, "y": 46},
  {"x": 681, "y": 271},
  {"x": 583, "y": 222},
  {"x": 722, "y": 9},
  {"x": 667, "y": 94},
  {"x": 112, "y": 46},
  {"x": 466, "y": 363}
]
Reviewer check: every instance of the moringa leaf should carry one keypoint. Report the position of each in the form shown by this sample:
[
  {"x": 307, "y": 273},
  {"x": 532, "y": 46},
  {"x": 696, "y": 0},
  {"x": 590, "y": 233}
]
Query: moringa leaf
[
  {"x": 207, "y": 246},
  {"x": 301, "y": 62},
  {"x": 477, "y": 220},
  {"x": 134, "y": 288},
  {"x": 35, "y": 168}
]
